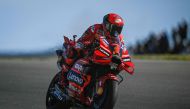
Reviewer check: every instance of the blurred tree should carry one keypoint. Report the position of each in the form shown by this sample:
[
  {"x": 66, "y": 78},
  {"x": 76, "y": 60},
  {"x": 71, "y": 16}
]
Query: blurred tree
[{"x": 163, "y": 46}]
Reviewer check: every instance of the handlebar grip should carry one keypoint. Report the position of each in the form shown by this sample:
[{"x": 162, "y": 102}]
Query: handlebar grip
[{"x": 59, "y": 52}]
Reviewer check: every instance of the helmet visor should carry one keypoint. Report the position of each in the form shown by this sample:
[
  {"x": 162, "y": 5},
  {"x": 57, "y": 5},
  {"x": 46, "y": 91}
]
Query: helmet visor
[{"x": 115, "y": 30}]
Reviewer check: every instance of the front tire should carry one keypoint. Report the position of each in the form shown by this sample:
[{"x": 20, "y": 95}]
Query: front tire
[{"x": 108, "y": 98}]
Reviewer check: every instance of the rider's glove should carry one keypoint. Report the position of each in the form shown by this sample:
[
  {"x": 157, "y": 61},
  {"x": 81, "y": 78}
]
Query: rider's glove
[{"x": 116, "y": 59}]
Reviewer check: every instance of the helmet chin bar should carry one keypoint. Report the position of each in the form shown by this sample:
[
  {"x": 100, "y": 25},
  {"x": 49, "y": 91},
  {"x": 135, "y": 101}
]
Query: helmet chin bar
[{"x": 116, "y": 34}]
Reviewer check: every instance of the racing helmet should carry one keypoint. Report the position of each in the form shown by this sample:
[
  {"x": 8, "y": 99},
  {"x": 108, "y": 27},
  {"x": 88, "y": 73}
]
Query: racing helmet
[{"x": 113, "y": 24}]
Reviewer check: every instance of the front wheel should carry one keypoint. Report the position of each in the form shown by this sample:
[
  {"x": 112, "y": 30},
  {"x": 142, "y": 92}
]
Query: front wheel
[{"x": 108, "y": 98}]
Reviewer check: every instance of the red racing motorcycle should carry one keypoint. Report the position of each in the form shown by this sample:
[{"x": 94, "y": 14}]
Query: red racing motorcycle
[{"x": 92, "y": 82}]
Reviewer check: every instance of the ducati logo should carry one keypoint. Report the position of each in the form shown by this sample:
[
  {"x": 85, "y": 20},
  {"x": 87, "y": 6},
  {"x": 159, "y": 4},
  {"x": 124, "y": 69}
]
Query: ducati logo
[{"x": 103, "y": 51}]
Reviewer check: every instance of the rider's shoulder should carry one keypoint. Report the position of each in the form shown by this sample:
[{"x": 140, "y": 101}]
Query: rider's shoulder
[{"x": 95, "y": 27}]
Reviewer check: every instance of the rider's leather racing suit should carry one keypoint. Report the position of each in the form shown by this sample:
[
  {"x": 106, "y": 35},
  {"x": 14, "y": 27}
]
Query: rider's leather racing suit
[{"x": 86, "y": 43}]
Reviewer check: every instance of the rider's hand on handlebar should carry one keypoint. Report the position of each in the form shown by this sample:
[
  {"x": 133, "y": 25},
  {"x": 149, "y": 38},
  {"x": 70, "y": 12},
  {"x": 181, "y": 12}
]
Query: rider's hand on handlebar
[{"x": 116, "y": 59}]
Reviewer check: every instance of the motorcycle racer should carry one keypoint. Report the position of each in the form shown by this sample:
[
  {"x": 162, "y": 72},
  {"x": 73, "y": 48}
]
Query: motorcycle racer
[{"x": 111, "y": 29}]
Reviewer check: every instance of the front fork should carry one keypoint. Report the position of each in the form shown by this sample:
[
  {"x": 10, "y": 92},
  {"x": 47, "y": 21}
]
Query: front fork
[{"x": 102, "y": 80}]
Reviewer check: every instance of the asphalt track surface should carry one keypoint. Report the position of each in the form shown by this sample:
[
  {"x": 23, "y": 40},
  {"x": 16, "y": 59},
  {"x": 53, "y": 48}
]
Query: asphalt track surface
[{"x": 155, "y": 85}]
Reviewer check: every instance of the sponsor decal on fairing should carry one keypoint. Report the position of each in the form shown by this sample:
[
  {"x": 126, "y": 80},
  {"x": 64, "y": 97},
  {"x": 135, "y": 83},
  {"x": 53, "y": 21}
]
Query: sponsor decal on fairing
[
  {"x": 75, "y": 77},
  {"x": 78, "y": 67},
  {"x": 103, "y": 51}
]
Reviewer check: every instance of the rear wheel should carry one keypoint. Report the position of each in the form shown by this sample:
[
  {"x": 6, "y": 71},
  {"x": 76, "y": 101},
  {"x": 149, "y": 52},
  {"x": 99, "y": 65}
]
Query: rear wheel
[
  {"x": 52, "y": 102},
  {"x": 108, "y": 98}
]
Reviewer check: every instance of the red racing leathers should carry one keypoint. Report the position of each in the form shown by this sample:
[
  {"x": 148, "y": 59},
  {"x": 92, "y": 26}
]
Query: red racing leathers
[
  {"x": 87, "y": 42},
  {"x": 91, "y": 36}
]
